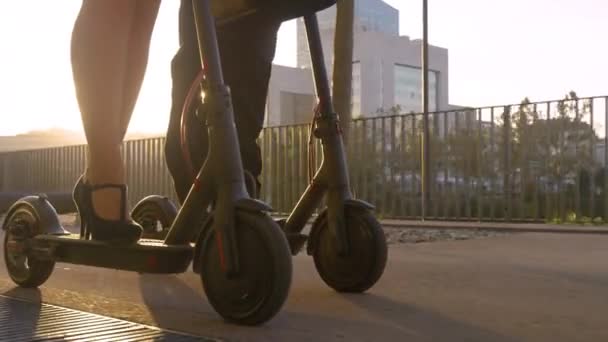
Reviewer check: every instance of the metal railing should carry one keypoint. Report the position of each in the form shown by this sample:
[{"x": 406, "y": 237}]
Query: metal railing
[
  {"x": 57, "y": 169},
  {"x": 525, "y": 162}
]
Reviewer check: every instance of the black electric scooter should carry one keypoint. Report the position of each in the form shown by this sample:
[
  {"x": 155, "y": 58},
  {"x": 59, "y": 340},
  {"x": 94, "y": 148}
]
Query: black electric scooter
[
  {"x": 242, "y": 255},
  {"x": 346, "y": 241}
]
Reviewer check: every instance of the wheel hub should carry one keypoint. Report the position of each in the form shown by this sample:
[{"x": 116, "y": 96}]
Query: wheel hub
[
  {"x": 17, "y": 247},
  {"x": 17, "y": 238},
  {"x": 362, "y": 267},
  {"x": 242, "y": 292}
]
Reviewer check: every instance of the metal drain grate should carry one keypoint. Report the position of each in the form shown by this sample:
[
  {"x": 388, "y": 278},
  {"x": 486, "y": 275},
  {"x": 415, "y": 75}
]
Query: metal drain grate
[{"x": 26, "y": 321}]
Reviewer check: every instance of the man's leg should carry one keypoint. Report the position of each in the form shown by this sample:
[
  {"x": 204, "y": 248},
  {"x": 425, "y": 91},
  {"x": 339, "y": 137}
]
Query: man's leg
[
  {"x": 247, "y": 49},
  {"x": 184, "y": 68}
]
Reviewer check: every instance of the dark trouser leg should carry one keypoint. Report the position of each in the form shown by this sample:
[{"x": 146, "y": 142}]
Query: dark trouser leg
[{"x": 247, "y": 49}]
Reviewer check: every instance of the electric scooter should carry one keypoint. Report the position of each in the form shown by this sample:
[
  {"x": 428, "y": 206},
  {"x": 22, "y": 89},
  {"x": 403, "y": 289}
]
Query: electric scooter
[
  {"x": 242, "y": 255},
  {"x": 346, "y": 241}
]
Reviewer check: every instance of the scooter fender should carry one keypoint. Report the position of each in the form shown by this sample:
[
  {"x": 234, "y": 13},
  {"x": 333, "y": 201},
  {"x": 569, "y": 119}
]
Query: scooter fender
[{"x": 46, "y": 215}]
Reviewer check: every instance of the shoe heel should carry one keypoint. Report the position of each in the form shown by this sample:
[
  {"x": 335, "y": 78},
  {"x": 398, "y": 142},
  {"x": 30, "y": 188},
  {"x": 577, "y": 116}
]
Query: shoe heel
[
  {"x": 121, "y": 231},
  {"x": 80, "y": 208},
  {"x": 85, "y": 232},
  {"x": 82, "y": 225}
]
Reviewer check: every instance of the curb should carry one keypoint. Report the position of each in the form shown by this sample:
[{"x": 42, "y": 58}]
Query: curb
[{"x": 495, "y": 228}]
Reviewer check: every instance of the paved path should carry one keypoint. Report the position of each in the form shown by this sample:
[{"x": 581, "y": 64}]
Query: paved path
[{"x": 516, "y": 287}]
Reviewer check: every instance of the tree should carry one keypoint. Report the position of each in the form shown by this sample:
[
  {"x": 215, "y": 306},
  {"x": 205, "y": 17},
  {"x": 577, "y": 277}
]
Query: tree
[
  {"x": 547, "y": 152},
  {"x": 565, "y": 141}
]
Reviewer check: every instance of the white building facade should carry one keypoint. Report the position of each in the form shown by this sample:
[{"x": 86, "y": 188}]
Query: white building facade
[{"x": 386, "y": 69}]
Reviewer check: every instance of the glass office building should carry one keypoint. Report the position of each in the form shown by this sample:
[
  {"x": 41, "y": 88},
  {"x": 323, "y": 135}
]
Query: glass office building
[
  {"x": 377, "y": 16},
  {"x": 370, "y": 15},
  {"x": 386, "y": 66},
  {"x": 408, "y": 88}
]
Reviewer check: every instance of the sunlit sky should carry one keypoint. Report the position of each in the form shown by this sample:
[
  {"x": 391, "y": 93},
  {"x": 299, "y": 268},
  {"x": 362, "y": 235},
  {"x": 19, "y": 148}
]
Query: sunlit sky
[{"x": 499, "y": 52}]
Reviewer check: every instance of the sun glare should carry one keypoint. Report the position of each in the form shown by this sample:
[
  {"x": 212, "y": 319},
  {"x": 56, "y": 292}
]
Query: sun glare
[{"x": 36, "y": 77}]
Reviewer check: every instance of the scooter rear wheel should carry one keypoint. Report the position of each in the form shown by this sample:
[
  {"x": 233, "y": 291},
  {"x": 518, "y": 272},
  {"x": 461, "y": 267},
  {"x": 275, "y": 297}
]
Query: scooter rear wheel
[
  {"x": 259, "y": 290},
  {"x": 156, "y": 215},
  {"x": 363, "y": 266},
  {"x": 25, "y": 269}
]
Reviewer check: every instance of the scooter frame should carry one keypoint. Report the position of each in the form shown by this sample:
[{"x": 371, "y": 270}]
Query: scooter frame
[
  {"x": 220, "y": 184},
  {"x": 331, "y": 178}
]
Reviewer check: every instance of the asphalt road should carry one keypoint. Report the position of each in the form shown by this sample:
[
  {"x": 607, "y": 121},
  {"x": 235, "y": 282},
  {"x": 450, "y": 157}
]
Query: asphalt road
[{"x": 523, "y": 287}]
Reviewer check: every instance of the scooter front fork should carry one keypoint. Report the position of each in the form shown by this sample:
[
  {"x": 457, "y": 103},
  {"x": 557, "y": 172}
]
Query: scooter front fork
[{"x": 332, "y": 180}]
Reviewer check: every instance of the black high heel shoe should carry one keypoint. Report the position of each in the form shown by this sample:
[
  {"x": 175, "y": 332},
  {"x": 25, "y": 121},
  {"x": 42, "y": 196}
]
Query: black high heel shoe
[{"x": 121, "y": 231}]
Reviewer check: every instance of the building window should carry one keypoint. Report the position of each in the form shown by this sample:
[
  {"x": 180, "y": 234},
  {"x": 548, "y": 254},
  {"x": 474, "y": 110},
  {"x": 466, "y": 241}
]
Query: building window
[{"x": 408, "y": 89}]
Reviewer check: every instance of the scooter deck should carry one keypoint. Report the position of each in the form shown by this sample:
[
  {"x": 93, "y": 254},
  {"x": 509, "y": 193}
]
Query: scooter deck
[{"x": 146, "y": 256}]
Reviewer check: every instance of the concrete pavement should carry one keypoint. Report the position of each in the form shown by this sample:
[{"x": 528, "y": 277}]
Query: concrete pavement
[{"x": 520, "y": 287}]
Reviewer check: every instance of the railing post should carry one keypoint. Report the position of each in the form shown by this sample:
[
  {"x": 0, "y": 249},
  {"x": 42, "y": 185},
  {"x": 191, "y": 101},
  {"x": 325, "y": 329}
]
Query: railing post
[
  {"x": 415, "y": 143},
  {"x": 3, "y": 172},
  {"x": 426, "y": 165},
  {"x": 548, "y": 185},
  {"x": 606, "y": 159},
  {"x": 561, "y": 139},
  {"x": 507, "y": 161},
  {"x": 468, "y": 161},
  {"x": 479, "y": 168},
  {"x": 492, "y": 166},
  {"x": 536, "y": 176},
  {"x": 592, "y": 166},
  {"x": 446, "y": 167},
  {"x": 577, "y": 168},
  {"x": 393, "y": 193}
]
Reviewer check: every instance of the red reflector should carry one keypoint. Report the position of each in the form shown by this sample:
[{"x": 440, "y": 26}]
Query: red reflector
[{"x": 152, "y": 261}]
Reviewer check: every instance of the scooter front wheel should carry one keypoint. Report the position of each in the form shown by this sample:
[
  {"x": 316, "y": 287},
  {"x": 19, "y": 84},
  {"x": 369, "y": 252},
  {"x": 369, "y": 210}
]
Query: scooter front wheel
[
  {"x": 155, "y": 214},
  {"x": 258, "y": 291},
  {"x": 364, "y": 264}
]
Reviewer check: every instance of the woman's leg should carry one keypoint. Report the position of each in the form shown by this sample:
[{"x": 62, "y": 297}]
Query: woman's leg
[
  {"x": 102, "y": 41},
  {"x": 137, "y": 58}
]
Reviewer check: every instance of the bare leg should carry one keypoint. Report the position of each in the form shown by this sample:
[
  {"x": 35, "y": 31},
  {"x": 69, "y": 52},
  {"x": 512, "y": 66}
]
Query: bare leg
[
  {"x": 101, "y": 42},
  {"x": 137, "y": 58}
]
